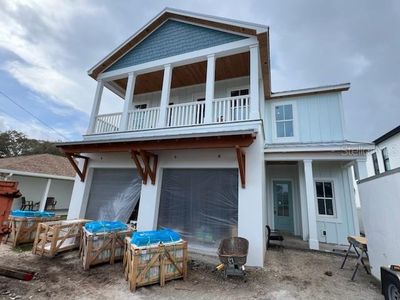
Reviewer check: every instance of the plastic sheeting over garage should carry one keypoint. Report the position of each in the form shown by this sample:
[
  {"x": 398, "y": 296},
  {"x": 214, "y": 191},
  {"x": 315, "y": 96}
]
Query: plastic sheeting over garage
[
  {"x": 201, "y": 204},
  {"x": 114, "y": 194}
]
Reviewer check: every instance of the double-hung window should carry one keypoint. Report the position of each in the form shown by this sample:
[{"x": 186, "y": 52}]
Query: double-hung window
[
  {"x": 325, "y": 198},
  {"x": 239, "y": 106},
  {"x": 284, "y": 121},
  {"x": 385, "y": 157}
]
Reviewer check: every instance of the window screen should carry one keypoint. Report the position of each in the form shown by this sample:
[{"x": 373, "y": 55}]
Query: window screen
[
  {"x": 113, "y": 194},
  {"x": 201, "y": 204}
]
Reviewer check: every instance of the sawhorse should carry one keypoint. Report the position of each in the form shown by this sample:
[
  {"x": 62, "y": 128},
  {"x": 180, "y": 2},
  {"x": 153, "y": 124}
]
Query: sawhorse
[{"x": 360, "y": 243}]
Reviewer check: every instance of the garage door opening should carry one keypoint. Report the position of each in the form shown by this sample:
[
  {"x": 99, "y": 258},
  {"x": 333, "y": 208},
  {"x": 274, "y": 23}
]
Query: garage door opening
[
  {"x": 114, "y": 195},
  {"x": 201, "y": 204}
]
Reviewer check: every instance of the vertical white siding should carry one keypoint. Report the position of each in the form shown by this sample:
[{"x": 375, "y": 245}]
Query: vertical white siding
[
  {"x": 339, "y": 227},
  {"x": 319, "y": 118},
  {"x": 393, "y": 146},
  {"x": 190, "y": 93}
]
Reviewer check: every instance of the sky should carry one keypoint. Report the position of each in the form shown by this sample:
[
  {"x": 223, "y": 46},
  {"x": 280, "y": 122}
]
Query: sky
[{"x": 47, "y": 46}]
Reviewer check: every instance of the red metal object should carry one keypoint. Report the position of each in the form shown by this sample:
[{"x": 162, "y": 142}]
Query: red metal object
[{"x": 8, "y": 191}]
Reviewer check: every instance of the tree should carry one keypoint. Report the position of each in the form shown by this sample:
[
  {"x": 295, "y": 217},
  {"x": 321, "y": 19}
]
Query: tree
[{"x": 14, "y": 143}]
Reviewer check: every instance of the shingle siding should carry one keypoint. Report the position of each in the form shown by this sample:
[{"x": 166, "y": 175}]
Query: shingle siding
[{"x": 173, "y": 38}]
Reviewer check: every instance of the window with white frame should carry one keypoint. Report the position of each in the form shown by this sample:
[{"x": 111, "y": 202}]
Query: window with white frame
[
  {"x": 284, "y": 120},
  {"x": 375, "y": 162},
  {"x": 385, "y": 157},
  {"x": 325, "y": 198}
]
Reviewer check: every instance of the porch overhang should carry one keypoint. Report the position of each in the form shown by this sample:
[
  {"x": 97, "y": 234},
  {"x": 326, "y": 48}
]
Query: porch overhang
[{"x": 143, "y": 151}]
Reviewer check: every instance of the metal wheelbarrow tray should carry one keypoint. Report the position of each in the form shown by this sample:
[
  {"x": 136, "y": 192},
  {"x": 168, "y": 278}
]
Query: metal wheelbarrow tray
[{"x": 232, "y": 253}]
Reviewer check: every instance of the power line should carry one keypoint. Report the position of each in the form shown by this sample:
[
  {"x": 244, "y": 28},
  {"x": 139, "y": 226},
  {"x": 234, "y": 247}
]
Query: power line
[{"x": 28, "y": 112}]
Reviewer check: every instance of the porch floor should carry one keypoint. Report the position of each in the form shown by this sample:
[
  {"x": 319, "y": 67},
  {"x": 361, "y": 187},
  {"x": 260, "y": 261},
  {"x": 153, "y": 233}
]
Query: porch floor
[{"x": 295, "y": 242}]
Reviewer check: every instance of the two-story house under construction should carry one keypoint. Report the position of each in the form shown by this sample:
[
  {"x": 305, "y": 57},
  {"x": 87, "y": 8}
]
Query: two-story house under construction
[{"x": 204, "y": 147}]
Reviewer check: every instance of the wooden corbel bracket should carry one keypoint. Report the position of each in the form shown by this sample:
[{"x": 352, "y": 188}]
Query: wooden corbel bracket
[
  {"x": 81, "y": 174},
  {"x": 241, "y": 158},
  {"x": 146, "y": 164}
]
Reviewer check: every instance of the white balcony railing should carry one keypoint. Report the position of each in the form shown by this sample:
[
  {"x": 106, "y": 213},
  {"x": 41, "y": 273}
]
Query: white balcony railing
[
  {"x": 185, "y": 114},
  {"x": 108, "y": 123},
  {"x": 143, "y": 118},
  {"x": 231, "y": 109}
]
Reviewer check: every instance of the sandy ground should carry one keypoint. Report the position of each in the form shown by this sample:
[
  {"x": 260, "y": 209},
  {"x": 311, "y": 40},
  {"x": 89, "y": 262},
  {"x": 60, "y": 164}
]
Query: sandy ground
[{"x": 289, "y": 274}]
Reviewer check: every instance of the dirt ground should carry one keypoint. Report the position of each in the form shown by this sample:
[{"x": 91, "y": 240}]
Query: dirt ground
[{"x": 289, "y": 274}]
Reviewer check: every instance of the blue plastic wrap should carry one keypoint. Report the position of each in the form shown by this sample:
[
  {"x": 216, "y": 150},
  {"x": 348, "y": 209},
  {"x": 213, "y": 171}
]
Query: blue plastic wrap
[
  {"x": 105, "y": 226},
  {"x": 146, "y": 238},
  {"x": 32, "y": 214}
]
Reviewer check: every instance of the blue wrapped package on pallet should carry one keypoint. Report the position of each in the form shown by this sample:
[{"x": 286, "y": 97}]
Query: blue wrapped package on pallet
[
  {"x": 32, "y": 214},
  {"x": 105, "y": 226},
  {"x": 147, "y": 238}
]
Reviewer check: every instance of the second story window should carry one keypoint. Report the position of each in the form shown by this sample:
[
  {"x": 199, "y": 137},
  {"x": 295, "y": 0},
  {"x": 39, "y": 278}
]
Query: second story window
[
  {"x": 385, "y": 157},
  {"x": 284, "y": 120},
  {"x": 375, "y": 162}
]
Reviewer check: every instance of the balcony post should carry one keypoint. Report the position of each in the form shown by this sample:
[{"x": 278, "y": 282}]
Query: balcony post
[
  {"x": 95, "y": 107},
  {"x": 210, "y": 83},
  {"x": 166, "y": 87},
  {"x": 254, "y": 82},
  {"x": 130, "y": 88}
]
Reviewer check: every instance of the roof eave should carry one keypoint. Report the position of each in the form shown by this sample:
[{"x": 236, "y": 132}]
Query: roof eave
[{"x": 322, "y": 89}]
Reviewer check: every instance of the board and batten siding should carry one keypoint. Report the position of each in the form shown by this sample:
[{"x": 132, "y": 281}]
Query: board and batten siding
[
  {"x": 191, "y": 93},
  {"x": 341, "y": 225},
  {"x": 319, "y": 118}
]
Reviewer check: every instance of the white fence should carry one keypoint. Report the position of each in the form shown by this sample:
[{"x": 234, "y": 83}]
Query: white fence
[
  {"x": 231, "y": 109},
  {"x": 143, "y": 118},
  {"x": 184, "y": 114},
  {"x": 380, "y": 207}
]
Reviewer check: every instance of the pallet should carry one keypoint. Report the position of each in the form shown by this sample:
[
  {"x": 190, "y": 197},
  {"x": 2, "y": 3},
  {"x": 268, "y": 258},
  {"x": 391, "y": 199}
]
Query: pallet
[
  {"x": 100, "y": 248},
  {"x": 58, "y": 236},
  {"x": 23, "y": 229},
  {"x": 154, "y": 264}
]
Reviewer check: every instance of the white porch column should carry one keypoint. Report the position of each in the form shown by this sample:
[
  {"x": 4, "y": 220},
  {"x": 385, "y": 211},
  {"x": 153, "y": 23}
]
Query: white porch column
[
  {"x": 210, "y": 82},
  {"x": 254, "y": 82},
  {"x": 95, "y": 107},
  {"x": 303, "y": 201},
  {"x": 130, "y": 88},
  {"x": 361, "y": 165},
  {"x": 311, "y": 205},
  {"x": 149, "y": 203},
  {"x": 166, "y": 88},
  {"x": 251, "y": 203},
  {"x": 42, "y": 205}
]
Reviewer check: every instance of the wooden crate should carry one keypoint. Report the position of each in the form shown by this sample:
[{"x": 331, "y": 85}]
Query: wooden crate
[
  {"x": 154, "y": 264},
  {"x": 23, "y": 229},
  {"x": 58, "y": 236},
  {"x": 98, "y": 248}
]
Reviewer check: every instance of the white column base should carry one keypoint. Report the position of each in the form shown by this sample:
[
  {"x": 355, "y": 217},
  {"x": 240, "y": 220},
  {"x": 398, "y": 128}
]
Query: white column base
[
  {"x": 149, "y": 203},
  {"x": 313, "y": 244}
]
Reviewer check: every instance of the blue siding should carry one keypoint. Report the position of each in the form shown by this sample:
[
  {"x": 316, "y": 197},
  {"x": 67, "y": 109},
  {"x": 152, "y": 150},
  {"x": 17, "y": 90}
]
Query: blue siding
[
  {"x": 319, "y": 118},
  {"x": 173, "y": 38}
]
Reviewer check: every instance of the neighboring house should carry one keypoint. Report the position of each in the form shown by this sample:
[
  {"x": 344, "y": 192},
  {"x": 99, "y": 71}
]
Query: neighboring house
[
  {"x": 206, "y": 146},
  {"x": 386, "y": 155},
  {"x": 40, "y": 176}
]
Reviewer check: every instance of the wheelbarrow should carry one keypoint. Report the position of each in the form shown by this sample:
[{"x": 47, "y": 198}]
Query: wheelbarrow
[{"x": 232, "y": 253}]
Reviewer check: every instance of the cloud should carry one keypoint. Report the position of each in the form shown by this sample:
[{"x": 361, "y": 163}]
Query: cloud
[{"x": 51, "y": 44}]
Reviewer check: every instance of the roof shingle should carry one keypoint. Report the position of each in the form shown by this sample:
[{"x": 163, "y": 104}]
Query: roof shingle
[{"x": 39, "y": 163}]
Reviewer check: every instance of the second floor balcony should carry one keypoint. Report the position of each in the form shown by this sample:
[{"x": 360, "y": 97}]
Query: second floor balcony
[{"x": 216, "y": 89}]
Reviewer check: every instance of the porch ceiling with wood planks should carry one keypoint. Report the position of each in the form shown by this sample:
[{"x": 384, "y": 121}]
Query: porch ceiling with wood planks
[{"x": 227, "y": 67}]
